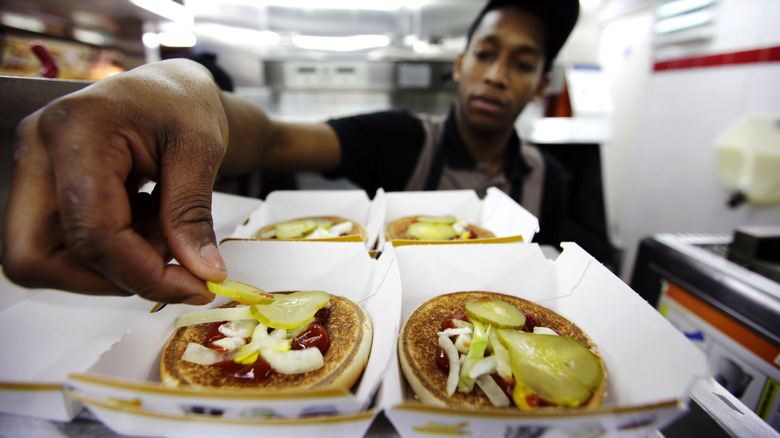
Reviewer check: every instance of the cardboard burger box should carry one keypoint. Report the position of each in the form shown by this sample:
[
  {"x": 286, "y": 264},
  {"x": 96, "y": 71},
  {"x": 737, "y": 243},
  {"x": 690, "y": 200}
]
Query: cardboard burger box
[
  {"x": 122, "y": 388},
  {"x": 496, "y": 212},
  {"x": 50, "y": 333},
  {"x": 650, "y": 366},
  {"x": 284, "y": 205}
]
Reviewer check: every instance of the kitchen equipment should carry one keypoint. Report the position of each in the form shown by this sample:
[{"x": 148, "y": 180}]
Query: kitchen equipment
[
  {"x": 728, "y": 310},
  {"x": 748, "y": 159}
]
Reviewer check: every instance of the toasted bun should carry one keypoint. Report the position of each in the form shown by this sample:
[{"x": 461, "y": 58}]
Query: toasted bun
[
  {"x": 348, "y": 327},
  {"x": 396, "y": 230},
  {"x": 357, "y": 229},
  {"x": 418, "y": 346}
]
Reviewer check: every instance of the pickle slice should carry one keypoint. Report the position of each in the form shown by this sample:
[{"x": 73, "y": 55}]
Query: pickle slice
[
  {"x": 288, "y": 311},
  {"x": 430, "y": 231},
  {"x": 558, "y": 369},
  {"x": 497, "y": 313},
  {"x": 437, "y": 219},
  {"x": 241, "y": 292},
  {"x": 294, "y": 229}
]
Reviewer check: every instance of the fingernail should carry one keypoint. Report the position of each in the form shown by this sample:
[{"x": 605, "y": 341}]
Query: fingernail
[
  {"x": 197, "y": 300},
  {"x": 210, "y": 255}
]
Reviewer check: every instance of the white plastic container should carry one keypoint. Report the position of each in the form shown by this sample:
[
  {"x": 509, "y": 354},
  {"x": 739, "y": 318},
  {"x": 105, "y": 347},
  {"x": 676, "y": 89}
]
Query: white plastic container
[{"x": 748, "y": 158}]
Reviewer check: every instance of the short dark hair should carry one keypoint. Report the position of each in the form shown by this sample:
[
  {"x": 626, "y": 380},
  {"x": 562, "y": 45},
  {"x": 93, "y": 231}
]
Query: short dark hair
[{"x": 558, "y": 16}]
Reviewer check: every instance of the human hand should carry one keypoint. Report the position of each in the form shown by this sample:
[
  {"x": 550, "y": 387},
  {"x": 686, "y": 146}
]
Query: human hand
[{"x": 75, "y": 219}]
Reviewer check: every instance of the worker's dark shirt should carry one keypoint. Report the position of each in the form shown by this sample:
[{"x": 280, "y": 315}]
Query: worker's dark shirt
[{"x": 383, "y": 149}]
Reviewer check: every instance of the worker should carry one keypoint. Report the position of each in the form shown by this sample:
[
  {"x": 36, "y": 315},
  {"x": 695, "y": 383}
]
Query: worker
[{"x": 76, "y": 220}]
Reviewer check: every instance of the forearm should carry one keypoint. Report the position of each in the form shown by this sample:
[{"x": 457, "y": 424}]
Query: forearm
[
  {"x": 258, "y": 142},
  {"x": 250, "y": 136}
]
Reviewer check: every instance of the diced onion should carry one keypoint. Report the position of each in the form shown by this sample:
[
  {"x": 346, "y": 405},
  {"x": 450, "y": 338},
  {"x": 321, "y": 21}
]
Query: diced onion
[
  {"x": 459, "y": 323},
  {"x": 452, "y": 356},
  {"x": 460, "y": 226},
  {"x": 318, "y": 233},
  {"x": 241, "y": 328},
  {"x": 483, "y": 366},
  {"x": 339, "y": 229},
  {"x": 201, "y": 355},
  {"x": 493, "y": 392},
  {"x": 213, "y": 315},
  {"x": 503, "y": 367},
  {"x": 463, "y": 343},
  {"x": 278, "y": 334},
  {"x": 293, "y": 361},
  {"x": 539, "y": 330},
  {"x": 230, "y": 343},
  {"x": 455, "y": 331},
  {"x": 261, "y": 339}
]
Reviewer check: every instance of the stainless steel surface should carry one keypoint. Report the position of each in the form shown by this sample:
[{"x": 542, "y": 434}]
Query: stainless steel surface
[
  {"x": 715, "y": 412},
  {"x": 428, "y": 21},
  {"x": 748, "y": 297},
  {"x": 728, "y": 311},
  {"x": 66, "y": 10},
  {"x": 305, "y": 90},
  {"x": 20, "y": 97},
  {"x": 357, "y": 75}
]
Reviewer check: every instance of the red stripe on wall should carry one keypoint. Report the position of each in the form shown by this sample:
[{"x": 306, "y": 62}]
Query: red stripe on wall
[{"x": 769, "y": 54}]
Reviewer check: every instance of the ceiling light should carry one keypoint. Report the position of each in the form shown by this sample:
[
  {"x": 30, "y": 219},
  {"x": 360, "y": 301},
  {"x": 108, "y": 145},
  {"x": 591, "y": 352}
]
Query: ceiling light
[
  {"x": 231, "y": 34},
  {"x": 177, "y": 39},
  {"x": 91, "y": 37},
  {"x": 167, "y": 9},
  {"x": 383, "y": 5},
  {"x": 684, "y": 21},
  {"x": 23, "y": 22},
  {"x": 150, "y": 40},
  {"x": 677, "y": 7},
  {"x": 341, "y": 44}
]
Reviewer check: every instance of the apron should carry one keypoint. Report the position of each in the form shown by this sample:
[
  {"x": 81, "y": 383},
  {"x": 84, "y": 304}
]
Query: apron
[{"x": 430, "y": 173}]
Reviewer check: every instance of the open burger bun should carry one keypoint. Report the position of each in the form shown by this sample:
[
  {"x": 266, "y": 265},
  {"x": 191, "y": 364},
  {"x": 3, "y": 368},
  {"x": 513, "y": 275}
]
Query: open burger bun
[
  {"x": 396, "y": 230},
  {"x": 348, "y": 327},
  {"x": 418, "y": 346},
  {"x": 357, "y": 229}
]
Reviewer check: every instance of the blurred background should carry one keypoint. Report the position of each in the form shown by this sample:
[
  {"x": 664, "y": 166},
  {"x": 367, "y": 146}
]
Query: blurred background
[
  {"x": 640, "y": 93},
  {"x": 665, "y": 114}
]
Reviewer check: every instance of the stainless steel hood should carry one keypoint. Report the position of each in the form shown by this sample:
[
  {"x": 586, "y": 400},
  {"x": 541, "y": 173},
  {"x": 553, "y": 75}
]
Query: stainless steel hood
[
  {"x": 428, "y": 19},
  {"x": 431, "y": 30}
]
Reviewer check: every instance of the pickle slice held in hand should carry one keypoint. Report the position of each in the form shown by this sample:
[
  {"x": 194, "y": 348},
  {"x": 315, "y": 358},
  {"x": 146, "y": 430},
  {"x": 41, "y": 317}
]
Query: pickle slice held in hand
[
  {"x": 288, "y": 311},
  {"x": 498, "y": 313},
  {"x": 557, "y": 368},
  {"x": 241, "y": 292}
]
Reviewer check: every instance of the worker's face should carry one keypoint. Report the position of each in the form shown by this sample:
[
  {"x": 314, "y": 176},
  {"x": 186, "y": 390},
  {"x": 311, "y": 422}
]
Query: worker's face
[{"x": 501, "y": 69}]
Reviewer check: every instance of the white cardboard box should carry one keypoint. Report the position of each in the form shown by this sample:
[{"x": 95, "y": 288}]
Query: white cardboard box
[
  {"x": 650, "y": 365},
  {"x": 496, "y": 212},
  {"x": 51, "y": 340},
  {"x": 50, "y": 334},
  {"x": 284, "y": 205},
  {"x": 124, "y": 384}
]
